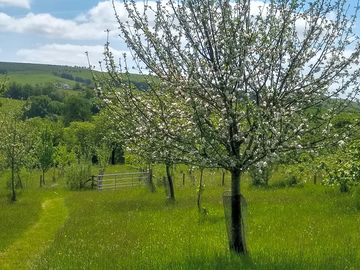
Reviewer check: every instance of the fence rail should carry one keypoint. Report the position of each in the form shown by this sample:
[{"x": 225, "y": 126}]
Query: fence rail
[{"x": 121, "y": 180}]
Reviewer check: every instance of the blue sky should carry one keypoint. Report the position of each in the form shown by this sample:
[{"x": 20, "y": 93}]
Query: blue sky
[
  {"x": 59, "y": 31},
  {"x": 56, "y": 31}
]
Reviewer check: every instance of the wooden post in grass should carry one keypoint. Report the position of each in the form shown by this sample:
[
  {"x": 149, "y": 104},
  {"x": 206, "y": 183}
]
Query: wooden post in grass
[
  {"x": 150, "y": 180},
  {"x": 92, "y": 181},
  {"x": 170, "y": 181}
]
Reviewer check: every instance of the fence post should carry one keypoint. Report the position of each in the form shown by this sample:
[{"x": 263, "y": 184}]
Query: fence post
[
  {"x": 100, "y": 182},
  {"x": 92, "y": 181},
  {"x": 150, "y": 180}
]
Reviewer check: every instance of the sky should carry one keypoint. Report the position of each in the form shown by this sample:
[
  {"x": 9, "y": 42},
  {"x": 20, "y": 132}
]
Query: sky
[
  {"x": 57, "y": 31},
  {"x": 60, "y": 31}
]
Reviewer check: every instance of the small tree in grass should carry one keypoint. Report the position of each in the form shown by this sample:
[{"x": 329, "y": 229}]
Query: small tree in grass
[
  {"x": 79, "y": 137},
  {"x": 44, "y": 152},
  {"x": 63, "y": 158},
  {"x": 16, "y": 146},
  {"x": 139, "y": 130},
  {"x": 250, "y": 84}
]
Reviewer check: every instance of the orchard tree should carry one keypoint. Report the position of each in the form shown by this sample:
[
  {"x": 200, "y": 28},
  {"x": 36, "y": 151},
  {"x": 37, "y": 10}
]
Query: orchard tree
[
  {"x": 45, "y": 151},
  {"x": 46, "y": 136},
  {"x": 107, "y": 140},
  {"x": 251, "y": 81},
  {"x": 16, "y": 146},
  {"x": 63, "y": 158},
  {"x": 78, "y": 136},
  {"x": 342, "y": 168},
  {"x": 140, "y": 127}
]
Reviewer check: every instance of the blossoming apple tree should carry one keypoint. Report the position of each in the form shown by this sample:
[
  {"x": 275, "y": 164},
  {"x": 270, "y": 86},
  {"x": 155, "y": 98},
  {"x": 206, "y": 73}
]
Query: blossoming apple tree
[{"x": 246, "y": 79}]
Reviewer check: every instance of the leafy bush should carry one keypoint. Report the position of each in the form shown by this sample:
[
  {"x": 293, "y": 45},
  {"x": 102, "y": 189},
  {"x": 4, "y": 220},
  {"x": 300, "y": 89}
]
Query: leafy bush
[
  {"x": 287, "y": 181},
  {"x": 343, "y": 168},
  {"x": 78, "y": 175},
  {"x": 260, "y": 176}
]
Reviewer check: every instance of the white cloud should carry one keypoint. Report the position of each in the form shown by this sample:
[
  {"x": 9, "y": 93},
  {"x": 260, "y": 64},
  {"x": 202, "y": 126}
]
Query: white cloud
[
  {"x": 65, "y": 54},
  {"x": 87, "y": 26},
  {"x": 46, "y": 24},
  {"x": 16, "y": 3}
]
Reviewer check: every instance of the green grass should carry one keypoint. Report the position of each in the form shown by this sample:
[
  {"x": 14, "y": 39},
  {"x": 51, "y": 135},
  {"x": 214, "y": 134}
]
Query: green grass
[
  {"x": 310, "y": 227},
  {"x": 27, "y": 73},
  {"x": 35, "y": 240},
  {"x": 301, "y": 228},
  {"x": 16, "y": 217},
  {"x": 36, "y": 78}
]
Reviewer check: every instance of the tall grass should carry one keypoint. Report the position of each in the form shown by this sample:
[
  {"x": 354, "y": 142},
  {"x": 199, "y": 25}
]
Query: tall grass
[
  {"x": 309, "y": 227},
  {"x": 299, "y": 228}
]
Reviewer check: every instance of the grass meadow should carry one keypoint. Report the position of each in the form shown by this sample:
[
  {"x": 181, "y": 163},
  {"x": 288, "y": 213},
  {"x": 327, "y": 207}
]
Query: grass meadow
[{"x": 304, "y": 227}]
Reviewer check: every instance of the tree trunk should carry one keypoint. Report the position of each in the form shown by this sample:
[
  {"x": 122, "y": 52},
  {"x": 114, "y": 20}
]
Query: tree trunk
[
  {"x": 13, "y": 192},
  {"x": 43, "y": 177},
  {"x": 192, "y": 177},
  {"x": 19, "y": 183},
  {"x": 223, "y": 179},
  {"x": 113, "y": 156},
  {"x": 170, "y": 182},
  {"x": 237, "y": 235},
  {"x": 54, "y": 176},
  {"x": 150, "y": 179},
  {"x": 200, "y": 191}
]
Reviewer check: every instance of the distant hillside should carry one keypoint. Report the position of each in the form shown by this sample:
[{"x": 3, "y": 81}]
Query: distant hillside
[{"x": 62, "y": 76}]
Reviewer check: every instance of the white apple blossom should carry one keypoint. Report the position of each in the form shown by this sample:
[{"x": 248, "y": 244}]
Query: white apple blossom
[{"x": 229, "y": 87}]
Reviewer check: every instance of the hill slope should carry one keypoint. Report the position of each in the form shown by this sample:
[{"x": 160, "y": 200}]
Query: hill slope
[
  {"x": 26, "y": 73},
  {"x": 64, "y": 77}
]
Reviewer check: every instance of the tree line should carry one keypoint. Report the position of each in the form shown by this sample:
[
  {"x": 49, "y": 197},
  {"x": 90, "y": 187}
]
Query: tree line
[{"x": 48, "y": 101}]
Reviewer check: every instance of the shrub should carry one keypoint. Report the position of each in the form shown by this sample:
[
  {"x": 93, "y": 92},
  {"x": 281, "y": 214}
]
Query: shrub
[
  {"x": 260, "y": 176},
  {"x": 343, "y": 168},
  {"x": 78, "y": 175},
  {"x": 287, "y": 181}
]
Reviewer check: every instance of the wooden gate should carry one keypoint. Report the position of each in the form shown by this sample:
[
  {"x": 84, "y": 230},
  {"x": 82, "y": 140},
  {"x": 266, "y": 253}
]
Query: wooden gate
[{"x": 121, "y": 180}]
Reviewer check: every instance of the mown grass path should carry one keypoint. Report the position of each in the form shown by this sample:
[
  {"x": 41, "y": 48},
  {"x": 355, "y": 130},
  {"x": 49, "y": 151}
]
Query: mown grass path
[{"x": 35, "y": 240}]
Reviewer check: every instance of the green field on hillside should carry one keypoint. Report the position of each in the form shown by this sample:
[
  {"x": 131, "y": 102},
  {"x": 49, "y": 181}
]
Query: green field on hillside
[
  {"x": 33, "y": 74},
  {"x": 305, "y": 227}
]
